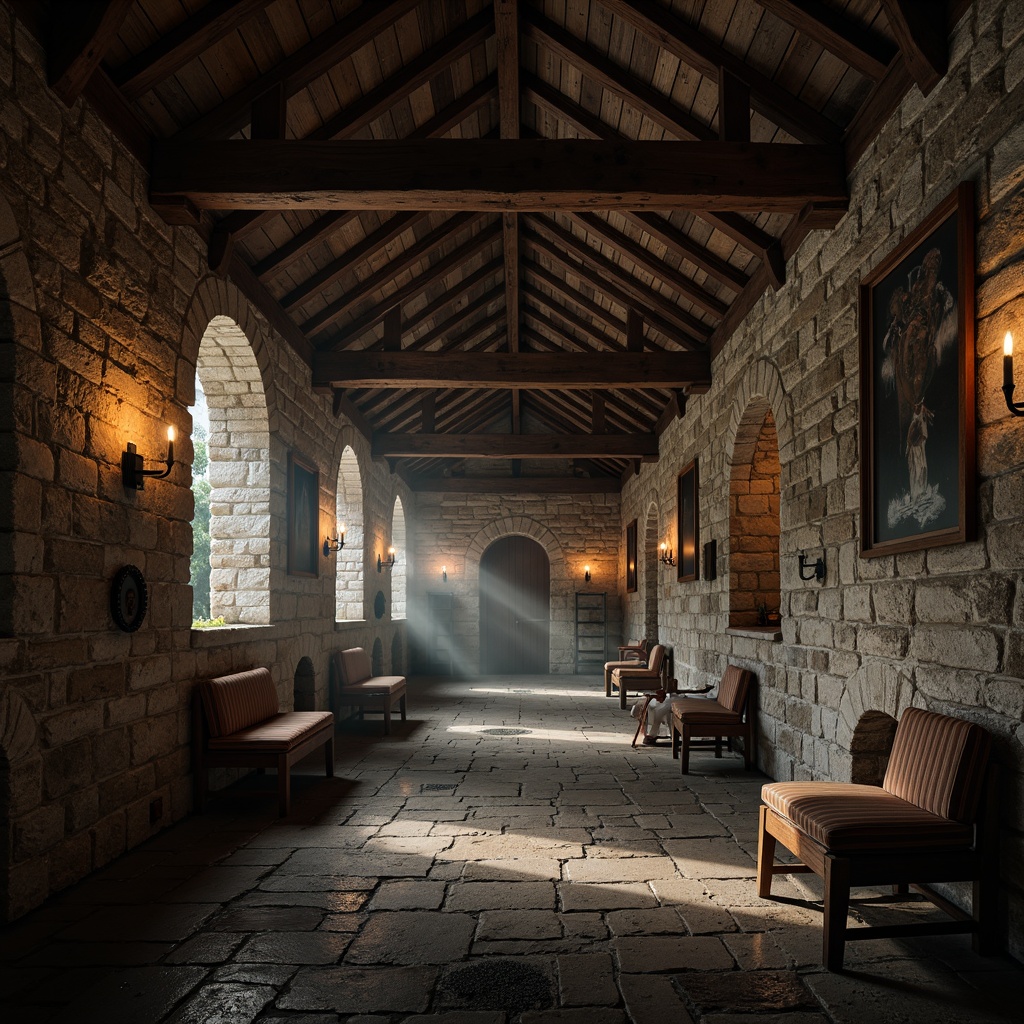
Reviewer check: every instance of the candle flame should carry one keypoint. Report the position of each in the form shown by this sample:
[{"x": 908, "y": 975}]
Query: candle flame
[{"x": 1008, "y": 344}]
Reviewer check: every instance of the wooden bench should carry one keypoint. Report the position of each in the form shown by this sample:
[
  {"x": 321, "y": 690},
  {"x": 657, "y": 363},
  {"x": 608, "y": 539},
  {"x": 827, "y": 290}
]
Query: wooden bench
[
  {"x": 730, "y": 713},
  {"x": 922, "y": 825},
  {"x": 237, "y": 723},
  {"x": 356, "y": 686}
]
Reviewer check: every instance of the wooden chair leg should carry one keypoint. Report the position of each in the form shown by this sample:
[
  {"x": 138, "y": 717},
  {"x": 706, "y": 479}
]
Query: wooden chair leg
[
  {"x": 837, "y": 909},
  {"x": 607, "y": 682},
  {"x": 622, "y": 695},
  {"x": 765, "y": 856},
  {"x": 401, "y": 706},
  {"x": 284, "y": 787},
  {"x": 329, "y": 756},
  {"x": 674, "y": 730},
  {"x": 684, "y": 754},
  {"x": 718, "y": 746}
]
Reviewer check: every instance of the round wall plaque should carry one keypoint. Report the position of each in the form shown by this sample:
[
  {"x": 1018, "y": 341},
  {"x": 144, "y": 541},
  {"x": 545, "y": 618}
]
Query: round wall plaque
[
  {"x": 379, "y": 604},
  {"x": 128, "y": 598}
]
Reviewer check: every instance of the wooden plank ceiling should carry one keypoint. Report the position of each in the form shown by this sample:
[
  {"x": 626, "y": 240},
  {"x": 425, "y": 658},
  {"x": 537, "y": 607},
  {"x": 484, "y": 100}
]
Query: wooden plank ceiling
[{"x": 379, "y": 178}]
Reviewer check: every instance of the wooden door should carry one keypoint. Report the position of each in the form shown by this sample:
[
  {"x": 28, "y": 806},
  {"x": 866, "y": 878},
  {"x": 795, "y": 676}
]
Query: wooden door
[{"x": 514, "y": 607}]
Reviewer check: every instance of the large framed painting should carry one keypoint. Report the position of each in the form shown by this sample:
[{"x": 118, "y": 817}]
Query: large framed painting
[
  {"x": 917, "y": 487},
  {"x": 688, "y": 523},
  {"x": 303, "y": 517},
  {"x": 631, "y": 558}
]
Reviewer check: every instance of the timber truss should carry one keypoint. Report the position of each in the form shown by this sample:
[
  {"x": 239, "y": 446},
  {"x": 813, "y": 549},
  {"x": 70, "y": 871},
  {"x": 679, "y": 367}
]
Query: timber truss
[{"x": 516, "y": 231}]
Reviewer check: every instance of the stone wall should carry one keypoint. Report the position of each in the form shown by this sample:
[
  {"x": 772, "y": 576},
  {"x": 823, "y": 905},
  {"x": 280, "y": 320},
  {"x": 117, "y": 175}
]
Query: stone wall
[
  {"x": 941, "y": 628},
  {"x": 454, "y": 530},
  {"x": 103, "y": 310}
]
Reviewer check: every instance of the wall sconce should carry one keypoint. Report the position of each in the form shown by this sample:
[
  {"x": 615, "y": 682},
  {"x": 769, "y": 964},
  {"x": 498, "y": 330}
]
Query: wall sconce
[
  {"x": 335, "y": 543},
  {"x": 817, "y": 568},
  {"x": 586, "y": 573},
  {"x": 444, "y": 573},
  {"x": 388, "y": 563},
  {"x": 133, "y": 476},
  {"x": 1017, "y": 408},
  {"x": 666, "y": 554}
]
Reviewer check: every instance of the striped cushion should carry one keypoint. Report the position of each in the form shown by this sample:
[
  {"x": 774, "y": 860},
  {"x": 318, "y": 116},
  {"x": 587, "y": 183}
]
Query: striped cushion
[
  {"x": 352, "y": 666},
  {"x": 732, "y": 690},
  {"x": 703, "y": 711},
  {"x": 238, "y": 700},
  {"x": 280, "y": 733},
  {"x": 376, "y": 685},
  {"x": 938, "y": 763},
  {"x": 845, "y": 817},
  {"x": 630, "y": 663}
]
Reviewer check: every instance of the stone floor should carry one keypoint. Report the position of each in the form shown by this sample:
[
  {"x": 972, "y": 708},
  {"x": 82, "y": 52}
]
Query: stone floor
[{"x": 454, "y": 873}]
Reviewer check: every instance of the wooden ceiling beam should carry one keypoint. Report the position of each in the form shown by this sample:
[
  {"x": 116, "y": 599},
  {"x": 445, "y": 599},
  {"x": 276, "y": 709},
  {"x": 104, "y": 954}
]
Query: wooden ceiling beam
[
  {"x": 348, "y": 261},
  {"x": 516, "y": 485},
  {"x": 374, "y": 104},
  {"x": 576, "y": 298},
  {"x": 392, "y": 269},
  {"x": 79, "y": 34},
  {"x": 444, "y": 329},
  {"x": 923, "y": 39},
  {"x": 453, "y": 294},
  {"x": 703, "y": 54},
  {"x": 329, "y": 223},
  {"x": 741, "y": 231},
  {"x": 503, "y": 370},
  {"x": 621, "y": 83},
  {"x": 571, "y": 319},
  {"x": 556, "y": 240},
  {"x": 495, "y": 175},
  {"x": 679, "y": 243},
  {"x": 679, "y": 282},
  {"x": 854, "y": 43},
  {"x": 358, "y": 327},
  {"x": 479, "y": 445},
  {"x": 182, "y": 44},
  {"x": 296, "y": 71},
  {"x": 733, "y": 108}
]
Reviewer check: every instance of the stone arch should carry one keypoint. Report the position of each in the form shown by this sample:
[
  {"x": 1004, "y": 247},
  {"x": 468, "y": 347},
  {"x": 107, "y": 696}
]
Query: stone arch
[
  {"x": 304, "y": 685},
  {"x": 377, "y": 658},
  {"x": 876, "y": 686},
  {"x": 651, "y": 540},
  {"x": 760, "y": 429},
  {"x": 521, "y": 526},
  {"x": 350, "y": 586},
  {"x": 399, "y": 572}
]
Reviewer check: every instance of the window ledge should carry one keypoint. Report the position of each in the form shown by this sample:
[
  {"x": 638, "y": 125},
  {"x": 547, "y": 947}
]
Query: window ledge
[
  {"x": 217, "y": 636},
  {"x": 773, "y": 633},
  {"x": 342, "y": 624}
]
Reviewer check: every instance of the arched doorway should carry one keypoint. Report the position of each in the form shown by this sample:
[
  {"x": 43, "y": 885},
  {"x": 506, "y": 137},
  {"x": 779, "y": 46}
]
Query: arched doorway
[{"x": 515, "y": 607}]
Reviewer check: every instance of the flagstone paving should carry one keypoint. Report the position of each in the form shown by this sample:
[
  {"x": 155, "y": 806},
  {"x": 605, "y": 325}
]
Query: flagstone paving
[{"x": 453, "y": 876}]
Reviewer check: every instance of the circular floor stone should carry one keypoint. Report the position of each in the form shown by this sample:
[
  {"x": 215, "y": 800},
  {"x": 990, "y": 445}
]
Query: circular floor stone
[{"x": 505, "y": 732}]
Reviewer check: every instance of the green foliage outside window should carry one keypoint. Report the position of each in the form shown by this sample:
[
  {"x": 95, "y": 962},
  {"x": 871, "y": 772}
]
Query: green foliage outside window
[{"x": 200, "y": 565}]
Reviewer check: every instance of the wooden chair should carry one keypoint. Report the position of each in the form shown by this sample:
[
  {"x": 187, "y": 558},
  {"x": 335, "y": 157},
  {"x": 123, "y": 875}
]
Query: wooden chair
[
  {"x": 631, "y": 655},
  {"x": 730, "y": 713},
  {"x": 922, "y": 825},
  {"x": 652, "y": 676}
]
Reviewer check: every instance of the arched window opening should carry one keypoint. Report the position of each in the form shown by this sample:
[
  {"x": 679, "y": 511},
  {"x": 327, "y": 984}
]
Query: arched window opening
[
  {"x": 349, "y": 581},
  {"x": 237, "y": 446},
  {"x": 398, "y": 573},
  {"x": 754, "y": 526},
  {"x": 650, "y": 556},
  {"x": 304, "y": 694}
]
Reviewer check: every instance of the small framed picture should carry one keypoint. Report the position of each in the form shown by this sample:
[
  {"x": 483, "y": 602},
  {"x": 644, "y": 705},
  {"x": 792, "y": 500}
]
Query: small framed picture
[
  {"x": 917, "y": 487},
  {"x": 631, "y": 558},
  {"x": 688, "y": 523},
  {"x": 303, "y": 517}
]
